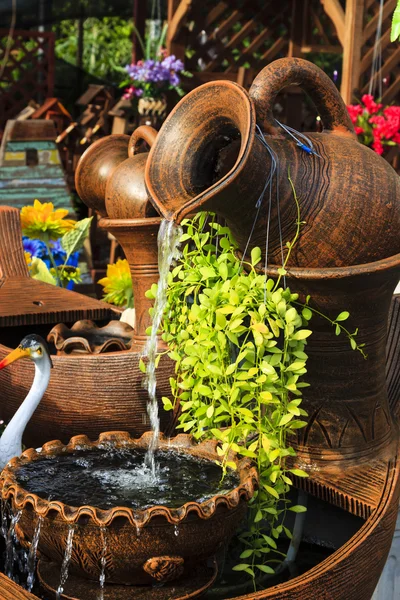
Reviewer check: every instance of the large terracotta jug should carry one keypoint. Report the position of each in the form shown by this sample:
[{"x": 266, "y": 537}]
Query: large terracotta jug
[{"x": 209, "y": 155}]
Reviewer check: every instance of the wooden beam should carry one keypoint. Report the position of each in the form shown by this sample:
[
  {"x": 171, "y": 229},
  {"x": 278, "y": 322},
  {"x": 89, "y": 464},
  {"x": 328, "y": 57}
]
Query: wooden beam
[
  {"x": 335, "y": 12},
  {"x": 323, "y": 49},
  {"x": 271, "y": 53},
  {"x": 352, "y": 48},
  {"x": 178, "y": 18},
  {"x": 139, "y": 18},
  {"x": 296, "y": 29}
]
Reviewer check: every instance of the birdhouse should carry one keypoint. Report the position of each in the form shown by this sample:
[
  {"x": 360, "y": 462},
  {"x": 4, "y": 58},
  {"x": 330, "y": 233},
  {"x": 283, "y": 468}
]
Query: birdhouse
[{"x": 30, "y": 165}]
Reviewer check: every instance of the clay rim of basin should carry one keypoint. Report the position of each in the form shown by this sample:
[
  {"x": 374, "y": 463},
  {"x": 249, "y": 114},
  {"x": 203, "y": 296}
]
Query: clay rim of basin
[
  {"x": 88, "y": 337},
  {"x": 11, "y": 489}
]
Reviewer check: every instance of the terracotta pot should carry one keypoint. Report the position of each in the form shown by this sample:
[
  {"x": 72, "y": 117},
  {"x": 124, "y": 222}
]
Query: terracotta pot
[
  {"x": 126, "y": 195},
  {"x": 142, "y": 546},
  {"x": 209, "y": 156},
  {"x": 349, "y": 419},
  {"x": 138, "y": 239},
  {"x": 95, "y": 167},
  {"x": 86, "y": 393}
]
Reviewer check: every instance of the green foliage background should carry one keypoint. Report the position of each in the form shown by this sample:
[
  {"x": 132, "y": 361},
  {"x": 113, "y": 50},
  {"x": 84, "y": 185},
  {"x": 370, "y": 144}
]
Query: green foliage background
[{"x": 107, "y": 45}]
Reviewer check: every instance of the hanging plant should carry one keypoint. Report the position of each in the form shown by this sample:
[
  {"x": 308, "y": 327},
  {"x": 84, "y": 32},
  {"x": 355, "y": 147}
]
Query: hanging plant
[{"x": 239, "y": 342}]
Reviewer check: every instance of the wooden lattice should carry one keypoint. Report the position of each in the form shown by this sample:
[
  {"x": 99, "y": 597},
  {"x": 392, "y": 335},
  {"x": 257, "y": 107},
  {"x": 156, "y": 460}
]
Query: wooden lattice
[
  {"x": 390, "y": 71},
  {"x": 28, "y": 73},
  {"x": 224, "y": 38}
]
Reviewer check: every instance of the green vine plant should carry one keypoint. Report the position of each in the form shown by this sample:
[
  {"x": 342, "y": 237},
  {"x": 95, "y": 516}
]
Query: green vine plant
[{"x": 238, "y": 340}]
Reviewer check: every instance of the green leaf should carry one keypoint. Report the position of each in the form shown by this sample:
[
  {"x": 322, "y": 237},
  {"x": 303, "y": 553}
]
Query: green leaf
[
  {"x": 307, "y": 314},
  {"x": 40, "y": 272},
  {"x": 271, "y": 491},
  {"x": 296, "y": 366},
  {"x": 298, "y": 508},
  {"x": 299, "y": 472},
  {"x": 210, "y": 412},
  {"x": 302, "y": 334},
  {"x": 258, "y": 516},
  {"x": 255, "y": 256},
  {"x": 265, "y": 569},
  {"x": 207, "y": 272},
  {"x": 247, "y": 553},
  {"x": 73, "y": 240},
  {"x": 142, "y": 366},
  {"x": 285, "y": 419},
  {"x": 395, "y": 31},
  {"x": 167, "y": 403},
  {"x": 241, "y": 567},
  {"x": 343, "y": 316},
  {"x": 353, "y": 343}
]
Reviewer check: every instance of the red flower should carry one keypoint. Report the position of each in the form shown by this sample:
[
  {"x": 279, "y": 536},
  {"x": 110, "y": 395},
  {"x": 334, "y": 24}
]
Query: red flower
[
  {"x": 354, "y": 110},
  {"x": 359, "y": 130},
  {"x": 370, "y": 104}
]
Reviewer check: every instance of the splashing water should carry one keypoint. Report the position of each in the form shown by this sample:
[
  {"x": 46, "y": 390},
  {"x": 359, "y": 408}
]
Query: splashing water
[
  {"x": 4, "y": 522},
  {"x": 65, "y": 563},
  {"x": 168, "y": 240},
  {"x": 176, "y": 530},
  {"x": 103, "y": 559},
  {"x": 10, "y": 550},
  {"x": 103, "y": 563},
  {"x": 32, "y": 555}
]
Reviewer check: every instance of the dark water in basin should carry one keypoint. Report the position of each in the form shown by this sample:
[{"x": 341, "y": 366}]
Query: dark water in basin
[{"x": 108, "y": 478}]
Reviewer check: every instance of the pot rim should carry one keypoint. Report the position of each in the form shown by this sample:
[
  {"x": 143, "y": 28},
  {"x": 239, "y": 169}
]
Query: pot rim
[
  {"x": 21, "y": 498},
  {"x": 316, "y": 273},
  {"x": 247, "y": 141},
  {"x": 107, "y": 223}
]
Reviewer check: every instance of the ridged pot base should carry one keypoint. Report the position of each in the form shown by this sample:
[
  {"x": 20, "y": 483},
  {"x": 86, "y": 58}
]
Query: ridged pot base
[{"x": 192, "y": 584}]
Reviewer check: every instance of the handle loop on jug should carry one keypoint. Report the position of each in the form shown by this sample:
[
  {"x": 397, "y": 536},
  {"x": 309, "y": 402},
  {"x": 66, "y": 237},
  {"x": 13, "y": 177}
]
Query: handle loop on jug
[
  {"x": 321, "y": 89},
  {"x": 144, "y": 132}
]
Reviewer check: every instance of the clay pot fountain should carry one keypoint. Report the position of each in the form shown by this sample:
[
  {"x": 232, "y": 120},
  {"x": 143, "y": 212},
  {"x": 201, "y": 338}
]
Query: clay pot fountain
[
  {"x": 209, "y": 155},
  {"x": 142, "y": 546}
]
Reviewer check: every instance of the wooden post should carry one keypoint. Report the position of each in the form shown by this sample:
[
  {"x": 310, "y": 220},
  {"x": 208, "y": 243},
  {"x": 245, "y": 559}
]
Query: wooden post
[
  {"x": 297, "y": 28},
  {"x": 354, "y": 19},
  {"x": 139, "y": 19},
  {"x": 177, "y": 10}
]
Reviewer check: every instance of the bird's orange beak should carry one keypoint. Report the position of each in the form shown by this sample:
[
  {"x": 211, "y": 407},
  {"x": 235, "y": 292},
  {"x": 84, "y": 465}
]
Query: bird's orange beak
[{"x": 14, "y": 355}]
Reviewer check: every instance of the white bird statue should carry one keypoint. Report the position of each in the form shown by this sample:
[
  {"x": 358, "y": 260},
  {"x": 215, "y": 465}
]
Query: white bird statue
[{"x": 34, "y": 347}]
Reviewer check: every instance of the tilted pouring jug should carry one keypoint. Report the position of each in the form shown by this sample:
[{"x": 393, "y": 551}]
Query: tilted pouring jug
[{"x": 209, "y": 155}]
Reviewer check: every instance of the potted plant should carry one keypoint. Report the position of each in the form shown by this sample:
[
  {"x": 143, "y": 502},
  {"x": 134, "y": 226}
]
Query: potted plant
[{"x": 151, "y": 78}]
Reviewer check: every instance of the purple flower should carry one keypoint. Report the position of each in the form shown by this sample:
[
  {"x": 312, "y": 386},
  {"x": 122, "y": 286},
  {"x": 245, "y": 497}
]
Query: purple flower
[
  {"x": 172, "y": 63},
  {"x": 153, "y": 71},
  {"x": 174, "y": 79}
]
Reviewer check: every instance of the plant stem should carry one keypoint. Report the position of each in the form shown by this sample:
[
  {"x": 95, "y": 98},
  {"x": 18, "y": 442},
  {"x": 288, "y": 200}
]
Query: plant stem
[{"x": 49, "y": 252}]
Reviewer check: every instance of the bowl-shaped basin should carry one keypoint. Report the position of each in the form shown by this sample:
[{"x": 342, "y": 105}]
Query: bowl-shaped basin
[{"x": 137, "y": 546}]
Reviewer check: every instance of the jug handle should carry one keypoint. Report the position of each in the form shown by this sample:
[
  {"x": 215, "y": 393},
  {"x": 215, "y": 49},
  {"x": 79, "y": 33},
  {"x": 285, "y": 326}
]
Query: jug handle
[
  {"x": 144, "y": 132},
  {"x": 321, "y": 89}
]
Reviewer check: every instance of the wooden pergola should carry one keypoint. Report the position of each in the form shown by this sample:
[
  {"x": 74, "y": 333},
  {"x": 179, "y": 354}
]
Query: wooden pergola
[{"x": 235, "y": 39}]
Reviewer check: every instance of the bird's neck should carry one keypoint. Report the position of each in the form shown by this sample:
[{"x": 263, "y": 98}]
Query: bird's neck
[{"x": 11, "y": 440}]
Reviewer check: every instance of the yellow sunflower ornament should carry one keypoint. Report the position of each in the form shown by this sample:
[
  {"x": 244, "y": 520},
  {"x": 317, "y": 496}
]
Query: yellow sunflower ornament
[
  {"x": 118, "y": 284},
  {"x": 42, "y": 222}
]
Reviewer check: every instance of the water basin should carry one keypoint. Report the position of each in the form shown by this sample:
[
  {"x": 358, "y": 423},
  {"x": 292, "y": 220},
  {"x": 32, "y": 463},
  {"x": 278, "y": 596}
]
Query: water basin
[{"x": 129, "y": 535}]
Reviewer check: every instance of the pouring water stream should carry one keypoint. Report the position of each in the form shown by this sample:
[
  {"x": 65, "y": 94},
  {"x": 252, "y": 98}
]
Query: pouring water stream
[{"x": 168, "y": 241}]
